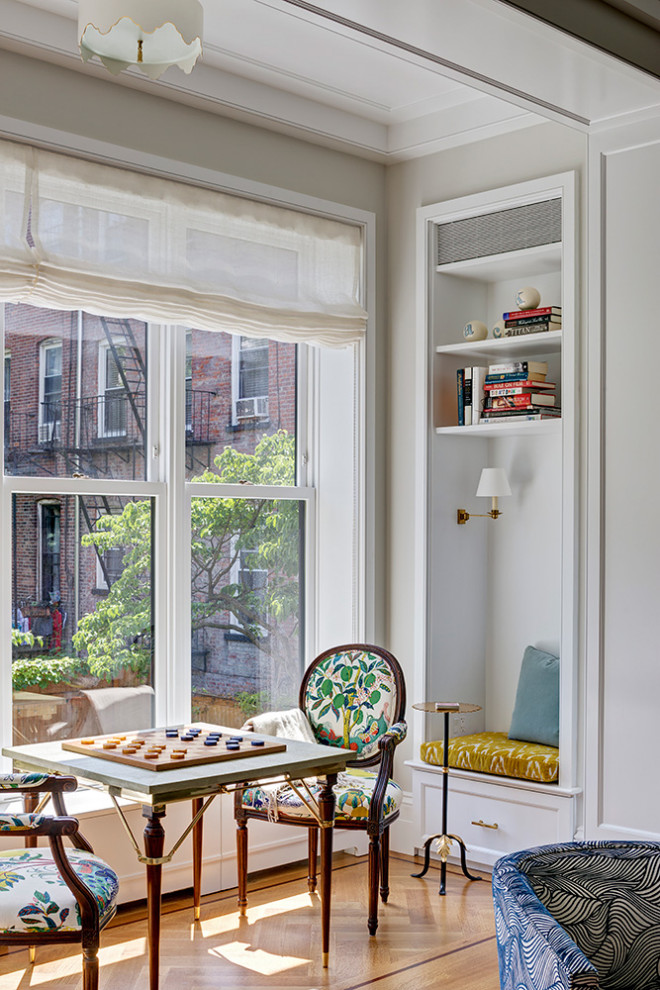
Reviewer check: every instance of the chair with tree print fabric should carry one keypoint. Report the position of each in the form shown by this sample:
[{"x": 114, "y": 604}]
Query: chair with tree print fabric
[
  {"x": 353, "y": 697},
  {"x": 52, "y": 894}
]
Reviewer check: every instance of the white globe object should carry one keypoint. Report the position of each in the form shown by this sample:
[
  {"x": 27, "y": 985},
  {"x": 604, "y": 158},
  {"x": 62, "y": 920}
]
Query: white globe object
[
  {"x": 528, "y": 298},
  {"x": 499, "y": 330},
  {"x": 475, "y": 330}
]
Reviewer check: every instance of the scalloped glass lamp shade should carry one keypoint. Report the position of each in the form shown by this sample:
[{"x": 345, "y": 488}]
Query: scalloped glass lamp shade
[{"x": 150, "y": 34}]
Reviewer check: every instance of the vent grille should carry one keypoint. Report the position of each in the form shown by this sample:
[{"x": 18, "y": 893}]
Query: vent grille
[{"x": 496, "y": 233}]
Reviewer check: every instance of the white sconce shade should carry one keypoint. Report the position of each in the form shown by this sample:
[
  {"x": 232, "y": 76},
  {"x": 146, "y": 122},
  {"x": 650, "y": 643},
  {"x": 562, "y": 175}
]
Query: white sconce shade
[
  {"x": 151, "y": 34},
  {"x": 493, "y": 483}
]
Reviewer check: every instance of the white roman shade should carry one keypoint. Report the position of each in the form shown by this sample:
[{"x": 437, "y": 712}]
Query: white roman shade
[{"x": 79, "y": 235}]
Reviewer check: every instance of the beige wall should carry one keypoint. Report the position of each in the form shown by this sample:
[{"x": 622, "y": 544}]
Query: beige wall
[{"x": 537, "y": 151}]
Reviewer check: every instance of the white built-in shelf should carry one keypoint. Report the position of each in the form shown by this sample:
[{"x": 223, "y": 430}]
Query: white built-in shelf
[
  {"x": 520, "y": 428},
  {"x": 500, "y": 267},
  {"x": 503, "y": 348}
]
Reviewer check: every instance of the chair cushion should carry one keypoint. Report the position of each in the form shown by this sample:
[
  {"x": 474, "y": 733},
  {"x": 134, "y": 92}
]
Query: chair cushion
[
  {"x": 494, "y": 752},
  {"x": 35, "y": 898},
  {"x": 351, "y": 700},
  {"x": 536, "y": 711},
  {"x": 353, "y": 792},
  {"x": 12, "y": 781}
]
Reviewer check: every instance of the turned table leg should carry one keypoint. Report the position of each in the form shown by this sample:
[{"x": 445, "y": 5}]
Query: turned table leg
[
  {"x": 197, "y": 857},
  {"x": 327, "y": 808},
  {"x": 154, "y": 841}
]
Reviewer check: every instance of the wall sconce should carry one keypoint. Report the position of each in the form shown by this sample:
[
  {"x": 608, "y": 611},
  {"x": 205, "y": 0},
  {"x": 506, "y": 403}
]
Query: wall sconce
[{"x": 493, "y": 483}]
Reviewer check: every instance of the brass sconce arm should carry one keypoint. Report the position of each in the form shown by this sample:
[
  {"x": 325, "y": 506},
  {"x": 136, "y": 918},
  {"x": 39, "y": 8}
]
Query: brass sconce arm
[{"x": 463, "y": 516}]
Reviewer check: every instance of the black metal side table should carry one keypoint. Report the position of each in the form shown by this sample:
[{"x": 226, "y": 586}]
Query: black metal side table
[{"x": 444, "y": 839}]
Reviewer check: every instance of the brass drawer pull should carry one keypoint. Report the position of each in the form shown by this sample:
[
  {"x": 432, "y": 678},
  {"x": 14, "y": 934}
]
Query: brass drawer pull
[{"x": 484, "y": 824}]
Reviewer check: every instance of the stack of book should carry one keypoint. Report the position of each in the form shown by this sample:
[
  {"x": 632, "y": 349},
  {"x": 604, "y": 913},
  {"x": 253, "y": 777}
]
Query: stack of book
[
  {"x": 532, "y": 321},
  {"x": 519, "y": 390}
]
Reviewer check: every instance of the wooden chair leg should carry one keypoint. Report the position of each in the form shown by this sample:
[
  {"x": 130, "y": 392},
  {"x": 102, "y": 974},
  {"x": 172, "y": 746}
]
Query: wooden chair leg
[
  {"x": 374, "y": 863},
  {"x": 385, "y": 865},
  {"x": 241, "y": 864},
  {"x": 312, "y": 847},
  {"x": 90, "y": 967}
]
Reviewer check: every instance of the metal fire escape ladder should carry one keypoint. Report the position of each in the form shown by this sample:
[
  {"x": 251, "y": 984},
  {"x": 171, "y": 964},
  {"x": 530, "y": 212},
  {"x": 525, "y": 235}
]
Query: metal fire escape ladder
[
  {"x": 130, "y": 364},
  {"x": 95, "y": 503}
]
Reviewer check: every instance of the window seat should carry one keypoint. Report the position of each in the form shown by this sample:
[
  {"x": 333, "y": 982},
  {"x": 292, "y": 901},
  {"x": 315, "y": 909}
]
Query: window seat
[{"x": 494, "y": 752}]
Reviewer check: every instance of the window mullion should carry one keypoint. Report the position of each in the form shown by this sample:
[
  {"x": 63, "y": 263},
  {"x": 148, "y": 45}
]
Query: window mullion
[{"x": 173, "y": 547}]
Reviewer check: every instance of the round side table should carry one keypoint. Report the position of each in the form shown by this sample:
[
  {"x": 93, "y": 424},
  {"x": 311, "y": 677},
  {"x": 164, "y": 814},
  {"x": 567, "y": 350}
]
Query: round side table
[{"x": 444, "y": 839}]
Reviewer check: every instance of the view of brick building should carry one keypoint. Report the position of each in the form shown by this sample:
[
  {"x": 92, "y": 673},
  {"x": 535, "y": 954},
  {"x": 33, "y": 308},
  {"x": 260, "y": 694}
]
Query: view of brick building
[{"x": 76, "y": 404}]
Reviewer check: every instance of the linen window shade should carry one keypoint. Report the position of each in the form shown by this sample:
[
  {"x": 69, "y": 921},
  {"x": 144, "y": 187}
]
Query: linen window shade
[{"x": 80, "y": 235}]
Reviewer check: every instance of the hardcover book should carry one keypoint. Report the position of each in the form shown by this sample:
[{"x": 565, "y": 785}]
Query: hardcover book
[
  {"x": 524, "y": 400},
  {"x": 516, "y": 376},
  {"x": 520, "y": 314},
  {"x": 523, "y": 411},
  {"x": 513, "y": 367},
  {"x": 515, "y": 388}
]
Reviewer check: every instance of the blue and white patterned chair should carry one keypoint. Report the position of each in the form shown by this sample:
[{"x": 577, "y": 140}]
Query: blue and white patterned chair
[
  {"x": 578, "y": 916},
  {"x": 353, "y": 697},
  {"x": 49, "y": 893}
]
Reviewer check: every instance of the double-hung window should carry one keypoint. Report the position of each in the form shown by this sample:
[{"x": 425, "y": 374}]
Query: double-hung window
[
  {"x": 193, "y": 565},
  {"x": 50, "y": 390}
]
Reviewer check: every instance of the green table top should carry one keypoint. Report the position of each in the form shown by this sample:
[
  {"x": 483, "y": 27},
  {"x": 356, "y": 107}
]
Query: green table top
[{"x": 300, "y": 759}]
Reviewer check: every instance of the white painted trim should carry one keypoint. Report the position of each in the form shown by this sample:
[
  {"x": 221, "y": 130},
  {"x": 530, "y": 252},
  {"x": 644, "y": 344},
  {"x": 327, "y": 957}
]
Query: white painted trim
[{"x": 607, "y": 143}]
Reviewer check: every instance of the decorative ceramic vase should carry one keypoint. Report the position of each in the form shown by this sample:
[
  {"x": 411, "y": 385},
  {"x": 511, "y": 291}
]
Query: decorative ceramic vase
[
  {"x": 475, "y": 330},
  {"x": 499, "y": 330},
  {"x": 528, "y": 298}
]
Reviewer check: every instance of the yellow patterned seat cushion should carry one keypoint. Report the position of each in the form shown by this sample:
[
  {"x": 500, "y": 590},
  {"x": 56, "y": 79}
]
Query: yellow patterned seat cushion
[{"x": 494, "y": 752}]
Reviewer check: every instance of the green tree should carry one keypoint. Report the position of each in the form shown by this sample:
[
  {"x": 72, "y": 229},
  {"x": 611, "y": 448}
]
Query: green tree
[{"x": 257, "y": 535}]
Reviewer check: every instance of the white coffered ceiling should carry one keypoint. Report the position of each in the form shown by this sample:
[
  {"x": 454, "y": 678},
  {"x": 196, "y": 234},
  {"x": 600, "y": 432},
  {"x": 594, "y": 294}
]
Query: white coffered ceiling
[{"x": 330, "y": 73}]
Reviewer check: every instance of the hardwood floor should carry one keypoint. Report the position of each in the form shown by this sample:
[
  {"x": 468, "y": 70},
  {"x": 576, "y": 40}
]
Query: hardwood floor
[{"x": 423, "y": 940}]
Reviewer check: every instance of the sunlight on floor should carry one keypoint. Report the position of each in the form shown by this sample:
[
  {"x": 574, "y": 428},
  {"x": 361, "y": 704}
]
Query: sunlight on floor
[
  {"x": 232, "y": 922},
  {"x": 257, "y": 960}
]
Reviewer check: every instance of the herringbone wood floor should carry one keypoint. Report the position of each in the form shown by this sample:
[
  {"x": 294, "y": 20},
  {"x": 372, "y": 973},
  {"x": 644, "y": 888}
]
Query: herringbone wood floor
[{"x": 423, "y": 940}]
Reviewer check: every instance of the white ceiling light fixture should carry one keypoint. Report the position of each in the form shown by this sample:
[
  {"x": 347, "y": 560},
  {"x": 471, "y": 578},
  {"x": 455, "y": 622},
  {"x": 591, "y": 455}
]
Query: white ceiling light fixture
[{"x": 150, "y": 34}]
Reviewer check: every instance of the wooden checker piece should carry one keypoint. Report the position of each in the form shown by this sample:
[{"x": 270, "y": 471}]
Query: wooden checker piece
[{"x": 160, "y": 749}]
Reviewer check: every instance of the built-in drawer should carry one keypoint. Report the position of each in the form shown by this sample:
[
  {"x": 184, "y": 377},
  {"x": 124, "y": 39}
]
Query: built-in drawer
[{"x": 492, "y": 818}]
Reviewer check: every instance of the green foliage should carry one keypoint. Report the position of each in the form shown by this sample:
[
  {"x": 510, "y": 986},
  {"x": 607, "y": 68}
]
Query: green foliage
[
  {"x": 261, "y": 535},
  {"x": 19, "y": 639},
  {"x": 41, "y": 671},
  {"x": 117, "y": 634},
  {"x": 251, "y": 703}
]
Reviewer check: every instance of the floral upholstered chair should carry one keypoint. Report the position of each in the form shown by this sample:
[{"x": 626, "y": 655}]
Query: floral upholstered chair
[
  {"x": 49, "y": 893},
  {"x": 353, "y": 697}
]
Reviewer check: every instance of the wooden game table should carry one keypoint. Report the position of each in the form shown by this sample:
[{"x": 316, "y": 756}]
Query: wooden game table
[{"x": 155, "y": 790}]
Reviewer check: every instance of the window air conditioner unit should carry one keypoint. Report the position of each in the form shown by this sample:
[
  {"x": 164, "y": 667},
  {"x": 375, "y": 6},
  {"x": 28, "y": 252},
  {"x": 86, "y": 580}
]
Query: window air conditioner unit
[{"x": 254, "y": 407}]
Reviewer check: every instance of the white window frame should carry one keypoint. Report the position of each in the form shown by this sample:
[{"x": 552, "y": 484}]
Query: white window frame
[
  {"x": 41, "y": 504},
  {"x": 260, "y": 403},
  {"x": 46, "y": 431},
  {"x": 102, "y": 430},
  {"x": 166, "y": 459}
]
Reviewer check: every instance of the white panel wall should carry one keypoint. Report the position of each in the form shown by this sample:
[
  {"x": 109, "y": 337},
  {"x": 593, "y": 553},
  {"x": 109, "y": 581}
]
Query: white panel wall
[{"x": 624, "y": 481}]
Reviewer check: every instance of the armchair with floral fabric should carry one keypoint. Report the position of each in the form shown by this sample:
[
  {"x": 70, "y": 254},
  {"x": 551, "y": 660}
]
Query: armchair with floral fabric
[
  {"x": 52, "y": 893},
  {"x": 353, "y": 697}
]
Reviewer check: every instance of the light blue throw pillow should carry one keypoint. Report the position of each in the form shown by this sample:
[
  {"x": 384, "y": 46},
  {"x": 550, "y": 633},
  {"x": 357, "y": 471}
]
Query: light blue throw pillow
[{"x": 536, "y": 711}]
